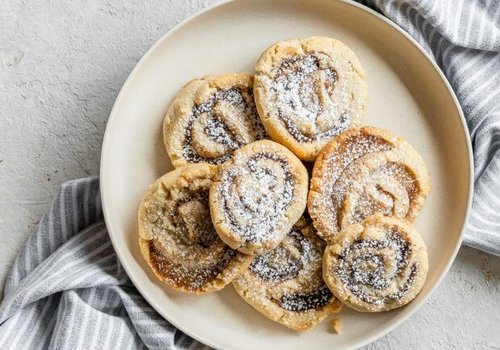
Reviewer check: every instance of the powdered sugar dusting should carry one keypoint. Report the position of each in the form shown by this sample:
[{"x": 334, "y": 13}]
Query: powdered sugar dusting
[
  {"x": 308, "y": 99},
  {"x": 216, "y": 127},
  {"x": 256, "y": 195},
  {"x": 185, "y": 249},
  {"x": 342, "y": 178},
  {"x": 291, "y": 273},
  {"x": 377, "y": 271},
  {"x": 361, "y": 192},
  {"x": 390, "y": 189},
  {"x": 192, "y": 277},
  {"x": 353, "y": 148},
  {"x": 306, "y": 301},
  {"x": 285, "y": 261}
]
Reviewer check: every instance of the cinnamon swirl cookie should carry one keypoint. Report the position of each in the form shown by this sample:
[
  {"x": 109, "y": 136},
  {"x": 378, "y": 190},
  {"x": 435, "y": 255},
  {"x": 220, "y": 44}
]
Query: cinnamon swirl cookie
[
  {"x": 210, "y": 118},
  {"x": 177, "y": 238},
  {"x": 286, "y": 284},
  {"x": 378, "y": 265},
  {"x": 363, "y": 172},
  {"x": 257, "y": 196},
  {"x": 308, "y": 91}
]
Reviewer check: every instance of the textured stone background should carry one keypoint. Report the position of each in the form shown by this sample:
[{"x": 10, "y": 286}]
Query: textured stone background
[{"x": 62, "y": 64}]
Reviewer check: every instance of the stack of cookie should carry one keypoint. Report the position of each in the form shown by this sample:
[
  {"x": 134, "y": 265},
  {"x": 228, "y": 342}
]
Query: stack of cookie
[{"x": 234, "y": 209}]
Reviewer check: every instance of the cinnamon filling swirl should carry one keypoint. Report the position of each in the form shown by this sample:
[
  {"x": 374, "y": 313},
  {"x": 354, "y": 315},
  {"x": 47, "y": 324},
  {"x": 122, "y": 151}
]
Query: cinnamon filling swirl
[
  {"x": 377, "y": 271},
  {"x": 255, "y": 197},
  {"x": 308, "y": 100},
  {"x": 179, "y": 240},
  {"x": 378, "y": 265},
  {"x": 306, "y": 301},
  {"x": 189, "y": 275},
  {"x": 285, "y": 261},
  {"x": 217, "y": 127},
  {"x": 297, "y": 257},
  {"x": 354, "y": 147},
  {"x": 373, "y": 186},
  {"x": 185, "y": 248},
  {"x": 364, "y": 172}
]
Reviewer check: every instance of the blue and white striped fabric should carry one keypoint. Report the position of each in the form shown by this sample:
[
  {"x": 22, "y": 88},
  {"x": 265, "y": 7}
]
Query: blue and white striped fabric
[{"x": 67, "y": 290}]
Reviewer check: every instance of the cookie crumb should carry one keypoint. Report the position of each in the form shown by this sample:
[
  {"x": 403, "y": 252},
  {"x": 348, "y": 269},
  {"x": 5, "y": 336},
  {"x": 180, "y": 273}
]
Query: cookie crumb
[{"x": 336, "y": 325}]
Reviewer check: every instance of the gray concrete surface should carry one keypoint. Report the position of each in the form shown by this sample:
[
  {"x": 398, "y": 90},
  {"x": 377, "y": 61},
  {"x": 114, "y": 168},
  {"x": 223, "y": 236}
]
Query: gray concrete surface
[{"x": 62, "y": 64}]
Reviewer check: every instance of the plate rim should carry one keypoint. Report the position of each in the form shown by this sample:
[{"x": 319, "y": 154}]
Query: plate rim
[{"x": 358, "y": 6}]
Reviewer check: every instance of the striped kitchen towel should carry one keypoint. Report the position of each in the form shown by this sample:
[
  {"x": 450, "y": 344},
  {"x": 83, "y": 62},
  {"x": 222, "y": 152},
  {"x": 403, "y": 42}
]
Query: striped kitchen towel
[{"x": 67, "y": 289}]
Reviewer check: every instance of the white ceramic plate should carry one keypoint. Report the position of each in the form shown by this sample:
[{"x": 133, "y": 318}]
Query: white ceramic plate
[{"x": 408, "y": 95}]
